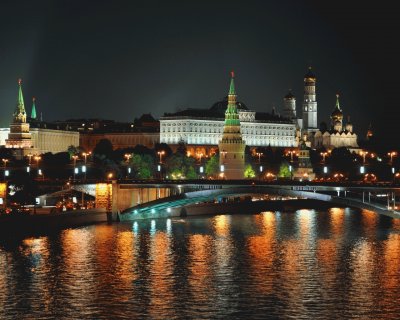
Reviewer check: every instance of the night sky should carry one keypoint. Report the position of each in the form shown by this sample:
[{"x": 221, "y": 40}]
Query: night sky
[{"x": 119, "y": 59}]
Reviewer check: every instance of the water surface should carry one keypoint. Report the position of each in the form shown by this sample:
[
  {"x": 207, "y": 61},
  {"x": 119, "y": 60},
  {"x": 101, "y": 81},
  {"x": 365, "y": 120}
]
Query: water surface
[{"x": 306, "y": 264}]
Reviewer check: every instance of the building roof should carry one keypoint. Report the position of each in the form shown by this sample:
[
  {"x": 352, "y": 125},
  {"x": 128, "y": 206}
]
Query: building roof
[
  {"x": 290, "y": 95},
  {"x": 309, "y": 74}
]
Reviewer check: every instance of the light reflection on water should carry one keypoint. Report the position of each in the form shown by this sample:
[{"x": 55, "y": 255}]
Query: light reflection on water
[{"x": 305, "y": 264}]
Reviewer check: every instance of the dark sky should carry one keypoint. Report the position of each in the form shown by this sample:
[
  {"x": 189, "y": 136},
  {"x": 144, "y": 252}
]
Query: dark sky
[{"x": 119, "y": 59}]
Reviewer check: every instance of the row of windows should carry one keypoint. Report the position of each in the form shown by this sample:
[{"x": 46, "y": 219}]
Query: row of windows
[
  {"x": 221, "y": 125},
  {"x": 282, "y": 132},
  {"x": 252, "y": 142}
]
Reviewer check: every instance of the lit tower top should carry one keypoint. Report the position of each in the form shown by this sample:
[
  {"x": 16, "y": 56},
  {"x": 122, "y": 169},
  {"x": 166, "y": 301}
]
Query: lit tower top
[
  {"x": 231, "y": 113},
  {"x": 309, "y": 102},
  {"x": 289, "y": 105},
  {"x": 33, "y": 112},
  {"x": 19, "y": 113},
  {"x": 337, "y": 116}
]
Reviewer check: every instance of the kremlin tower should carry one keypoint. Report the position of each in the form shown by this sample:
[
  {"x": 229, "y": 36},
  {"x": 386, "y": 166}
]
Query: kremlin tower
[
  {"x": 19, "y": 136},
  {"x": 309, "y": 103},
  {"x": 232, "y": 146}
]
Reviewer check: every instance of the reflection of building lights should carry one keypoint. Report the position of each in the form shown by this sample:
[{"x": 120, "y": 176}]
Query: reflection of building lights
[
  {"x": 169, "y": 225},
  {"x": 168, "y": 209},
  {"x": 153, "y": 210},
  {"x": 135, "y": 227}
]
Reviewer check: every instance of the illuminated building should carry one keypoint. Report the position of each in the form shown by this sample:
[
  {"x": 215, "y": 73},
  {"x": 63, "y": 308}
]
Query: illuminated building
[
  {"x": 28, "y": 135},
  {"x": 339, "y": 135},
  {"x": 203, "y": 128}
]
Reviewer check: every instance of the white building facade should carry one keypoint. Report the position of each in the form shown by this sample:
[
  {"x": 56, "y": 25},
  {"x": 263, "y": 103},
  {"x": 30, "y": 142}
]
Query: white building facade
[{"x": 208, "y": 130}]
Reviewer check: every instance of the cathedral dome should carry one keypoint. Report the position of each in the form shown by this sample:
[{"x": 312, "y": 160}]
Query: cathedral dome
[
  {"x": 337, "y": 114},
  {"x": 309, "y": 74},
  {"x": 220, "y": 106},
  {"x": 290, "y": 96}
]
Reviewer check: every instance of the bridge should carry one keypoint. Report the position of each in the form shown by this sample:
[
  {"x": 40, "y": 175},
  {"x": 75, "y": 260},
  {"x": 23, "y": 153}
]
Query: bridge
[
  {"x": 146, "y": 199},
  {"x": 167, "y": 198}
]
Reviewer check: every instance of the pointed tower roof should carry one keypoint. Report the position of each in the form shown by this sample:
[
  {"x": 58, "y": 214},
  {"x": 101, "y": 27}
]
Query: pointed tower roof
[
  {"x": 20, "y": 100},
  {"x": 33, "y": 112},
  {"x": 231, "y": 113},
  {"x": 19, "y": 113},
  {"x": 337, "y": 112},
  {"x": 232, "y": 85}
]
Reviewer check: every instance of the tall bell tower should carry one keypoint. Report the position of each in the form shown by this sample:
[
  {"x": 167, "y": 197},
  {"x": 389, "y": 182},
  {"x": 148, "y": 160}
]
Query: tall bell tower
[
  {"x": 310, "y": 122},
  {"x": 232, "y": 146}
]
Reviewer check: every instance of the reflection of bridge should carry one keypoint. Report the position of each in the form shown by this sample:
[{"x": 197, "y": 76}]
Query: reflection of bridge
[{"x": 157, "y": 199}]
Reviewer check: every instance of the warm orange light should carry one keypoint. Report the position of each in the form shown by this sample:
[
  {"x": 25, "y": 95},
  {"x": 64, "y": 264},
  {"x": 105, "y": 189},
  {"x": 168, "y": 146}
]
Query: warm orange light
[{"x": 110, "y": 175}]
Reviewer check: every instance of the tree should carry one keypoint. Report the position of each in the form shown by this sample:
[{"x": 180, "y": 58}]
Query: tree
[
  {"x": 179, "y": 166},
  {"x": 181, "y": 148},
  {"x": 191, "y": 173},
  {"x": 212, "y": 166},
  {"x": 284, "y": 171},
  {"x": 143, "y": 165},
  {"x": 103, "y": 149},
  {"x": 72, "y": 150},
  {"x": 249, "y": 171}
]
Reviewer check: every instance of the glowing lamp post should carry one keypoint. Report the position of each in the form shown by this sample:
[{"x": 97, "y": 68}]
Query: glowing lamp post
[
  {"x": 391, "y": 155},
  {"x": 323, "y": 154},
  {"x": 127, "y": 157},
  {"x": 74, "y": 159},
  {"x": 199, "y": 155},
  {"x": 5, "y": 166},
  {"x": 160, "y": 154},
  {"x": 259, "y": 154},
  {"x": 364, "y": 154}
]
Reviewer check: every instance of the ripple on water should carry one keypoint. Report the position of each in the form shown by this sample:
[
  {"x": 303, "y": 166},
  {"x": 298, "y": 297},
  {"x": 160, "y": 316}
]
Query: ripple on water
[{"x": 301, "y": 265}]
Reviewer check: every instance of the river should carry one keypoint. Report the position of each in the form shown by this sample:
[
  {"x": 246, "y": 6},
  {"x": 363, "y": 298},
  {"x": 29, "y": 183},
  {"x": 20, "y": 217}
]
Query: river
[{"x": 333, "y": 264}]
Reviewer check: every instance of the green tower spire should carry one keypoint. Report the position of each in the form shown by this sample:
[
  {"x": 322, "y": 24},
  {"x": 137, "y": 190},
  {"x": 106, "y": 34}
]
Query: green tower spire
[
  {"x": 337, "y": 106},
  {"x": 20, "y": 114},
  {"x": 231, "y": 113},
  {"x": 232, "y": 85},
  {"x": 33, "y": 112}
]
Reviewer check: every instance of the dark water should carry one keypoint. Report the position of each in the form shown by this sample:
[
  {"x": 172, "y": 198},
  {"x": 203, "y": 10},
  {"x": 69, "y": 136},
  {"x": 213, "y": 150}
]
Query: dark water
[{"x": 304, "y": 265}]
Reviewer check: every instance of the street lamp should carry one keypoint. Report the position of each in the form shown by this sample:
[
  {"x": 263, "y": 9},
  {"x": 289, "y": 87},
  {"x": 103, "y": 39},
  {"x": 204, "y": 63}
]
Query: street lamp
[
  {"x": 323, "y": 154},
  {"x": 199, "y": 154},
  {"x": 127, "y": 156},
  {"x": 291, "y": 152},
  {"x": 74, "y": 157},
  {"x": 84, "y": 167},
  {"x": 161, "y": 153},
  {"x": 5, "y": 165},
  {"x": 29, "y": 155},
  {"x": 391, "y": 155},
  {"x": 259, "y": 154},
  {"x": 37, "y": 158},
  {"x": 363, "y": 153}
]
